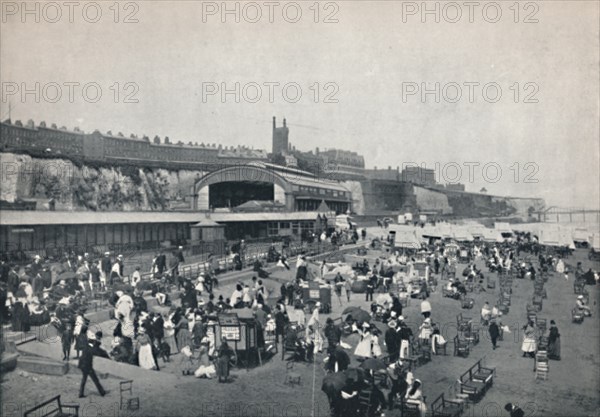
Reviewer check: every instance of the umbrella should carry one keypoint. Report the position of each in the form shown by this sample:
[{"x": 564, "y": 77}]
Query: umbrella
[
  {"x": 351, "y": 309},
  {"x": 360, "y": 315},
  {"x": 373, "y": 364},
  {"x": 66, "y": 275}
]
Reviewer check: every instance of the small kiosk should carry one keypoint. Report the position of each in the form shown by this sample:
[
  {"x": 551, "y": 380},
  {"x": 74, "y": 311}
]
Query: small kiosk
[
  {"x": 240, "y": 331},
  {"x": 314, "y": 292}
]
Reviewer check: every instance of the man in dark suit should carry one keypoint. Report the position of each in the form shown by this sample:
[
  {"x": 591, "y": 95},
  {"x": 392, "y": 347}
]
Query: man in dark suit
[
  {"x": 86, "y": 364},
  {"x": 392, "y": 341}
]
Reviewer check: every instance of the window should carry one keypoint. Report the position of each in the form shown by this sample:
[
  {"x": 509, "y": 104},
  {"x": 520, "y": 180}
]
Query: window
[
  {"x": 321, "y": 191},
  {"x": 272, "y": 229}
]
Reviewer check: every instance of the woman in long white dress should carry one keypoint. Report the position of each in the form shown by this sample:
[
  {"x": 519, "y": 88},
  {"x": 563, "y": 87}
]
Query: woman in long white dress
[
  {"x": 529, "y": 346},
  {"x": 145, "y": 358},
  {"x": 375, "y": 347},
  {"x": 364, "y": 347},
  {"x": 123, "y": 306},
  {"x": 314, "y": 329}
]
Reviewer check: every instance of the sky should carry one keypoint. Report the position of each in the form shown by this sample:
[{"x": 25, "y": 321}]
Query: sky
[{"x": 345, "y": 74}]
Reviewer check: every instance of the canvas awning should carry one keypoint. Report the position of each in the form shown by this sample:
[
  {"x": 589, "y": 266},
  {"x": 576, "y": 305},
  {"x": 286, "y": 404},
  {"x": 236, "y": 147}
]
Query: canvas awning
[{"x": 462, "y": 235}]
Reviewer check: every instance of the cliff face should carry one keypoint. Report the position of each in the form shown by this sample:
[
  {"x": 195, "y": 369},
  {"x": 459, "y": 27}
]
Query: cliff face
[{"x": 96, "y": 188}]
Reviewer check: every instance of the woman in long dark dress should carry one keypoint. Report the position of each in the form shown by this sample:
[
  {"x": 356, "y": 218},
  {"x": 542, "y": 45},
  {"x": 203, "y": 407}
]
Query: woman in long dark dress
[
  {"x": 554, "y": 342},
  {"x": 20, "y": 317},
  {"x": 224, "y": 356}
]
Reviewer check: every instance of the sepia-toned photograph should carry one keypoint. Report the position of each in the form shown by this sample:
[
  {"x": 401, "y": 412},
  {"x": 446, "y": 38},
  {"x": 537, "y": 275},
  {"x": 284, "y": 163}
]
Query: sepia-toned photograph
[{"x": 310, "y": 208}]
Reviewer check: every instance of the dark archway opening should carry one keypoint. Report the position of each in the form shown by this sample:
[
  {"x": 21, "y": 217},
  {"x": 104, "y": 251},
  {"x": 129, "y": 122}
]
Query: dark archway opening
[{"x": 232, "y": 194}]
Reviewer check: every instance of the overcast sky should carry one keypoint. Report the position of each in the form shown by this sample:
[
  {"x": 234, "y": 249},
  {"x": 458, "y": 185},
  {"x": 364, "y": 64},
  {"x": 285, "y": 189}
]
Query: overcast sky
[{"x": 370, "y": 56}]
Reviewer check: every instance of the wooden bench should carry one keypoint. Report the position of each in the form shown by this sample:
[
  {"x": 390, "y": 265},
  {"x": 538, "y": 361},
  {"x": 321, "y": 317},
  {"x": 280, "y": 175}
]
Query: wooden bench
[
  {"x": 441, "y": 407},
  {"x": 463, "y": 323},
  {"x": 461, "y": 347},
  {"x": 537, "y": 302},
  {"x": 471, "y": 336},
  {"x": 467, "y": 303},
  {"x": 53, "y": 407},
  {"x": 409, "y": 409},
  {"x": 542, "y": 325},
  {"x": 481, "y": 373},
  {"x": 449, "y": 293},
  {"x": 579, "y": 288},
  {"x": 576, "y": 315},
  {"x": 476, "y": 381}
]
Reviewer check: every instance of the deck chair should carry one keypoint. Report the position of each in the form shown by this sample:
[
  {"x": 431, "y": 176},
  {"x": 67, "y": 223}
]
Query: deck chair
[
  {"x": 291, "y": 377},
  {"x": 126, "y": 396}
]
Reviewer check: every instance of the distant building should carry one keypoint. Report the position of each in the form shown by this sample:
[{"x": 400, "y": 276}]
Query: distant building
[
  {"x": 290, "y": 161},
  {"x": 418, "y": 175},
  {"x": 281, "y": 141},
  {"x": 45, "y": 141},
  {"x": 388, "y": 174}
]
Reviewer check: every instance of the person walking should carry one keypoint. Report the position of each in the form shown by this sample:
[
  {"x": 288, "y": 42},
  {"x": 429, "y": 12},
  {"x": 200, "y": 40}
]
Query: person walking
[
  {"x": 494, "y": 332},
  {"x": 370, "y": 288},
  {"x": 348, "y": 286},
  {"x": 553, "y": 342},
  {"x": 338, "y": 284},
  {"x": 86, "y": 364}
]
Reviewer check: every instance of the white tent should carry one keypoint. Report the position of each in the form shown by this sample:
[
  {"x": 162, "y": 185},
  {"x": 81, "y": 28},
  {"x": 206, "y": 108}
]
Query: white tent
[
  {"x": 581, "y": 235},
  {"x": 492, "y": 235},
  {"x": 550, "y": 237},
  {"x": 503, "y": 227},
  {"x": 566, "y": 239},
  {"x": 461, "y": 234},
  {"x": 595, "y": 242},
  {"x": 407, "y": 239},
  {"x": 477, "y": 230}
]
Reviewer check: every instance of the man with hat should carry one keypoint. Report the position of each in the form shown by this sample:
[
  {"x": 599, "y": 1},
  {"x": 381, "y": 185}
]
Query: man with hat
[
  {"x": 86, "y": 364},
  {"x": 105, "y": 268},
  {"x": 392, "y": 340}
]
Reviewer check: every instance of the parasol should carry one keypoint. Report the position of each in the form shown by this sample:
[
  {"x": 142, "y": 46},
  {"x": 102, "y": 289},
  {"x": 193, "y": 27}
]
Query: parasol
[
  {"x": 360, "y": 316},
  {"x": 373, "y": 364},
  {"x": 66, "y": 275},
  {"x": 351, "y": 309}
]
